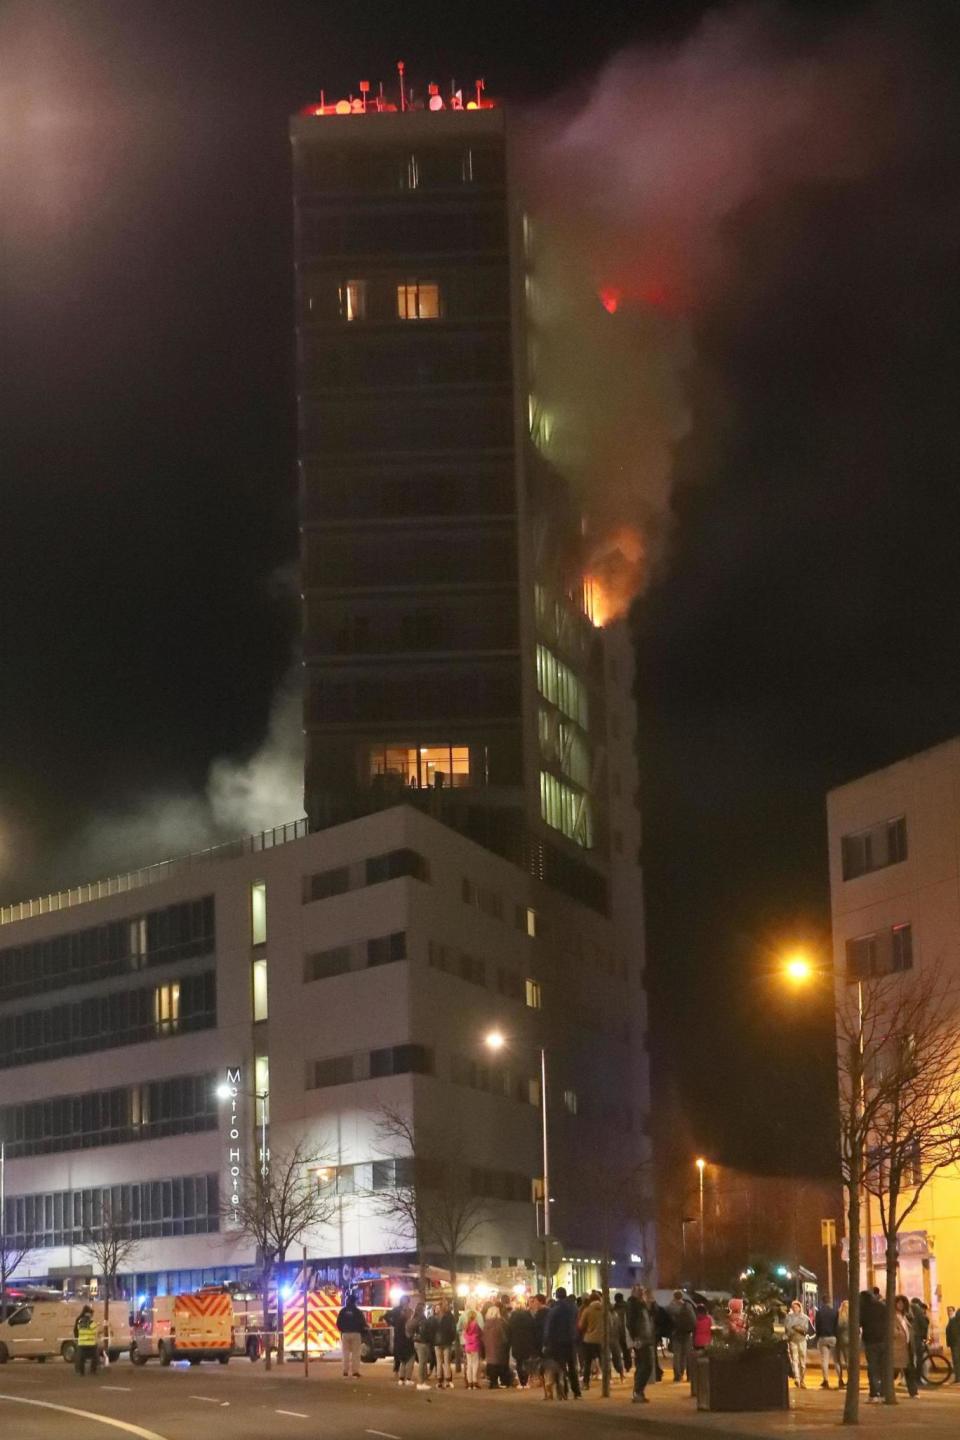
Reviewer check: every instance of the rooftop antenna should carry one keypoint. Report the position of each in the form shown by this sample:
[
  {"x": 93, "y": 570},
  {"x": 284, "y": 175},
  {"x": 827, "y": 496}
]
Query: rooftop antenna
[
  {"x": 403, "y": 98},
  {"x": 481, "y": 86}
]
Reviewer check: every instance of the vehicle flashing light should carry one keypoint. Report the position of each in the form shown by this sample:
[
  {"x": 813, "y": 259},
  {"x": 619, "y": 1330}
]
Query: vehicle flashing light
[{"x": 396, "y": 1294}]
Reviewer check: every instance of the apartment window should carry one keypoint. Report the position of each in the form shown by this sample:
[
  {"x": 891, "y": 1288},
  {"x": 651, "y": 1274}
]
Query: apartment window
[
  {"x": 418, "y": 301},
  {"x": 490, "y": 903},
  {"x": 396, "y": 1174},
  {"x": 166, "y": 1008},
  {"x": 472, "y": 969},
  {"x": 881, "y": 953},
  {"x": 423, "y": 767},
  {"x": 183, "y": 1205},
  {"x": 352, "y": 300},
  {"x": 326, "y": 884},
  {"x": 558, "y": 684},
  {"x": 468, "y": 891},
  {"x": 570, "y": 1103},
  {"x": 566, "y": 809},
  {"x": 874, "y": 849},
  {"x": 401, "y": 1060},
  {"x": 335, "y": 1070},
  {"x": 260, "y": 1007},
  {"x": 327, "y": 963},
  {"x": 384, "y": 949},
  {"x": 258, "y": 913},
  {"x": 510, "y": 985},
  {"x": 396, "y": 864},
  {"x": 533, "y": 994}
]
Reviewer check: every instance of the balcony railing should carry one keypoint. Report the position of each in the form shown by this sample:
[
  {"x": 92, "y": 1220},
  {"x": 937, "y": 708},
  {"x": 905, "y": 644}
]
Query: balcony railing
[{"x": 153, "y": 874}]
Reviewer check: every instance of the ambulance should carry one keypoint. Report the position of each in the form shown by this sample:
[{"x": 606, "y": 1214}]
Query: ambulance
[
  {"x": 39, "y": 1329},
  {"x": 208, "y": 1325}
]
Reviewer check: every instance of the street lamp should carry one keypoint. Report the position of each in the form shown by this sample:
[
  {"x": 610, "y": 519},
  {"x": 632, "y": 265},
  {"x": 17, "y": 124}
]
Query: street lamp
[
  {"x": 701, "y": 1166},
  {"x": 798, "y": 969},
  {"x": 496, "y": 1040},
  {"x": 230, "y": 1092}
]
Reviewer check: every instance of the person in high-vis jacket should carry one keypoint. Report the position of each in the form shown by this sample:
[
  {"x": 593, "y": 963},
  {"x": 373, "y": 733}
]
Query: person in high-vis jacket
[{"x": 87, "y": 1346}]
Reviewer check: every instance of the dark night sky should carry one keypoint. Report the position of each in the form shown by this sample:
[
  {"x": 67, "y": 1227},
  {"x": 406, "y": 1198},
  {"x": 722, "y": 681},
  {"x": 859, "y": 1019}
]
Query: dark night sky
[{"x": 802, "y": 631}]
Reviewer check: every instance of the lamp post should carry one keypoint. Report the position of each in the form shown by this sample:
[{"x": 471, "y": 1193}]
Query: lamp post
[
  {"x": 701, "y": 1166},
  {"x": 799, "y": 971},
  {"x": 496, "y": 1041}
]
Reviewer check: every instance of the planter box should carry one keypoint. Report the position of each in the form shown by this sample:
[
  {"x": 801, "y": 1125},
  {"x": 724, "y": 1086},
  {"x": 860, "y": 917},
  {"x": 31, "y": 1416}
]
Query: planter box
[{"x": 753, "y": 1379}]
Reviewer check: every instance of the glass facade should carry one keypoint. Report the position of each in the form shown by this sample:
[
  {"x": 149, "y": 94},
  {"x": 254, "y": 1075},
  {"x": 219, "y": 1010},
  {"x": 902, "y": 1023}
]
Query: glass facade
[
  {"x": 102, "y": 1022},
  {"x": 185, "y": 1205},
  {"x": 148, "y": 1111},
  {"x": 177, "y": 932}
]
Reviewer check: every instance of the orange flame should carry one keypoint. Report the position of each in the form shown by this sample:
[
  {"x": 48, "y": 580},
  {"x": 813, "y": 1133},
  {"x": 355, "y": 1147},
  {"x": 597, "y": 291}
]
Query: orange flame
[{"x": 614, "y": 576}]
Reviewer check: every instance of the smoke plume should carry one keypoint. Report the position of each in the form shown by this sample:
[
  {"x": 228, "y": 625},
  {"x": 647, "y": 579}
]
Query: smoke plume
[
  {"x": 241, "y": 797},
  {"x": 639, "y": 182}
]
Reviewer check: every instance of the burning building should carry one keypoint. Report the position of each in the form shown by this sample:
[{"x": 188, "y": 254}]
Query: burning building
[{"x": 471, "y": 864}]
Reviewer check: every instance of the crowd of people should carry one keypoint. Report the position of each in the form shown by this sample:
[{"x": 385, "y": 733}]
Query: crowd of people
[{"x": 558, "y": 1343}]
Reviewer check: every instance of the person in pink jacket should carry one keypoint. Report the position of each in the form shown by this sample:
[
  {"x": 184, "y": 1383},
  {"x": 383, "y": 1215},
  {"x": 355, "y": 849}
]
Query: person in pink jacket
[{"x": 472, "y": 1348}]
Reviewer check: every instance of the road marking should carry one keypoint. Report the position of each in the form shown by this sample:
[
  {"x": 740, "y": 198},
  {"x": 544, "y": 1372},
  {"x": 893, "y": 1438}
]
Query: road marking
[
  {"x": 385, "y": 1433},
  {"x": 87, "y": 1415},
  {"x": 116, "y": 1387},
  {"x": 210, "y": 1399},
  {"x": 297, "y": 1414}
]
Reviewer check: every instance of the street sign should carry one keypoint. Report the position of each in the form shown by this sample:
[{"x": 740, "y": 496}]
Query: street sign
[{"x": 828, "y": 1232}]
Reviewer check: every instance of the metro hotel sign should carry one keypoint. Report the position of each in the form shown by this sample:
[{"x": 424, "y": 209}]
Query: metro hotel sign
[{"x": 234, "y": 1146}]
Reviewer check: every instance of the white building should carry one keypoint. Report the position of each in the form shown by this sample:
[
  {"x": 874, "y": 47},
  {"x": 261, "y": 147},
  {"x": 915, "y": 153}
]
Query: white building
[
  {"x": 895, "y": 888},
  {"x": 341, "y": 971}
]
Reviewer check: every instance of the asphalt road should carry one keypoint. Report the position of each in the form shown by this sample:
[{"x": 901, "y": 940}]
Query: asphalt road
[{"x": 241, "y": 1402}]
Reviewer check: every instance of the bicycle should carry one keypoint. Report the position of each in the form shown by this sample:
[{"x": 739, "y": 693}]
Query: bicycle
[{"x": 935, "y": 1367}]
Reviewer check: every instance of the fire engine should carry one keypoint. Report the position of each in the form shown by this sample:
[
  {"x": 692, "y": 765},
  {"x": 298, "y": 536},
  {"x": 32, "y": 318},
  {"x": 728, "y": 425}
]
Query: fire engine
[{"x": 323, "y": 1337}]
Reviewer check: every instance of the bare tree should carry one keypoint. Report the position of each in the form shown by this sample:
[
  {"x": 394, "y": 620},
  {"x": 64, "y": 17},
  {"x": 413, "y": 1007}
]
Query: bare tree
[
  {"x": 432, "y": 1196},
  {"x": 898, "y": 1044},
  {"x": 915, "y": 1133},
  {"x": 12, "y": 1255},
  {"x": 111, "y": 1247},
  {"x": 278, "y": 1204}
]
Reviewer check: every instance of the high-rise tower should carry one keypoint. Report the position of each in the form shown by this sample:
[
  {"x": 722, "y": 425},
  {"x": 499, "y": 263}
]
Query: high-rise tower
[{"x": 449, "y": 659}]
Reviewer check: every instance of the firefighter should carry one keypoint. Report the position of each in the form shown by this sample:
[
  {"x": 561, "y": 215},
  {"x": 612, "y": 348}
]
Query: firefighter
[{"x": 87, "y": 1346}]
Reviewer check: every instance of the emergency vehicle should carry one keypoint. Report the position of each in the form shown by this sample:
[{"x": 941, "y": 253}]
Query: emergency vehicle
[
  {"x": 323, "y": 1337},
  {"x": 211, "y": 1324},
  {"x": 38, "y": 1329}
]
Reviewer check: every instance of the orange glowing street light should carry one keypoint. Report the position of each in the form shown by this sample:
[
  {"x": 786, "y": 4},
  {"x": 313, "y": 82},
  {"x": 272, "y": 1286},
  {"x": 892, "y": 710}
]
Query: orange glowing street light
[{"x": 798, "y": 969}]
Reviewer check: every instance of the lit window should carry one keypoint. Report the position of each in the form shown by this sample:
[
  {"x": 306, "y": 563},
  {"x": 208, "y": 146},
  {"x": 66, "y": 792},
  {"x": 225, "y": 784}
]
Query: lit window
[
  {"x": 259, "y": 990},
  {"x": 418, "y": 301},
  {"x": 423, "y": 767},
  {"x": 531, "y": 923},
  {"x": 138, "y": 943},
  {"x": 533, "y": 995},
  {"x": 166, "y": 1008},
  {"x": 352, "y": 300},
  {"x": 570, "y": 1101},
  {"x": 261, "y": 1084},
  {"x": 258, "y": 913}
]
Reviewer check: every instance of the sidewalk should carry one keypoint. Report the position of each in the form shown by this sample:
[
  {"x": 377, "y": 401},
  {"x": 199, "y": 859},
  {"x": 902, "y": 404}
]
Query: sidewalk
[{"x": 812, "y": 1412}]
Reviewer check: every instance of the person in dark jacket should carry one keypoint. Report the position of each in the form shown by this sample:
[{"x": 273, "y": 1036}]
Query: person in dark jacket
[
  {"x": 921, "y": 1334},
  {"x": 682, "y": 1320},
  {"x": 352, "y": 1326},
  {"x": 952, "y": 1338},
  {"x": 560, "y": 1337},
  {"x": 522, "y": 1339},
  {"x": 620, "y": 1327},
  {"x": 641, "y": 1330},
  {"x": 873, "y": 1328},
  {"x": 826, "y": 1323},
  {"x": 403, "y": 1351},
  {"x": 496, "y": 1349},
  {"x": 444, "y": 1339}
]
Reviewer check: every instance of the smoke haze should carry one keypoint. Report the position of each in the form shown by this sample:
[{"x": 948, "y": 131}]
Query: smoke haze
[{"x": 640, "y": 180}]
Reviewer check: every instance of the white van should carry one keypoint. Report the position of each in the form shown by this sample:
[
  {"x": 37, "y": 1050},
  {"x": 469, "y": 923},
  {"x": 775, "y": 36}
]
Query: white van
[{"x": 41, "y": 1328}]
